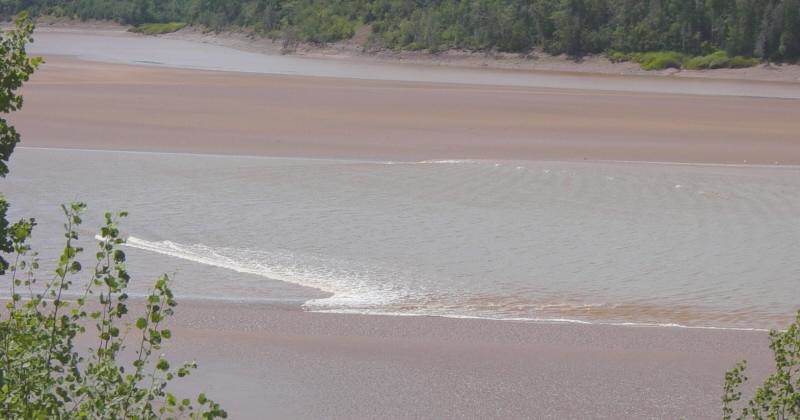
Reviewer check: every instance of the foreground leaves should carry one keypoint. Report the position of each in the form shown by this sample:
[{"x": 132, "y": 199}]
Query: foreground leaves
[
  {"x": 42, "y": 372},
  {"x": 15, "y": 69},
  {"x": 778, "y": 397},
  {"x": 43, "y": 375}
]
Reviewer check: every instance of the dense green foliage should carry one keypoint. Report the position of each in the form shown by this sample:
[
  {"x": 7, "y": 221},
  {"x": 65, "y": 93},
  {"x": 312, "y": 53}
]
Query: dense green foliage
[
  {"x": 15, "y": 68},
  {"x": 158, "y": 28},
  {"x": 45, "y": 370},
  {"x": 659, "y": 60},
  {"x": 767, "y": 29},
  {"x": 44, "y": 375},
  {"x": 779, "y": 396},
  {"x": 719, "y": 60}
]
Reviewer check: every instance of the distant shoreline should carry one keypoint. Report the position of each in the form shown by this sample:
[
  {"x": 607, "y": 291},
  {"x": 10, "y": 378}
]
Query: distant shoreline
[{"x": 352, "y": 50}]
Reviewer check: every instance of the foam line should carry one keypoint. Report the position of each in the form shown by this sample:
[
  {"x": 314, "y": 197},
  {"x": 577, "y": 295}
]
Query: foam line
[{"x": 349, "y": 288}]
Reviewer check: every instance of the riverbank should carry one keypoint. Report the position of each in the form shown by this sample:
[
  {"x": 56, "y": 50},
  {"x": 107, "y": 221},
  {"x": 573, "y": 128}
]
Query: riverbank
[
  {"x": 537, "y": 60},
  {"x": 353, "y": 50}
]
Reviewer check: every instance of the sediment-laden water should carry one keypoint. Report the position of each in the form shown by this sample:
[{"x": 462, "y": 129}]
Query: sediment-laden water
[{"x": 642, "y": 243}]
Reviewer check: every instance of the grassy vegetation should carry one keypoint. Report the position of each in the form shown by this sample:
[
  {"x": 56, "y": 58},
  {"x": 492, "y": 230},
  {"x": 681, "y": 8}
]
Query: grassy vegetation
[
  {"x": 660, "y": 60},
  {"x": 719, "y": 60},
  {"x": 653, "y": 60},
  {"x": 158, "y": 28},
  {"x": 740, "y": 62}
]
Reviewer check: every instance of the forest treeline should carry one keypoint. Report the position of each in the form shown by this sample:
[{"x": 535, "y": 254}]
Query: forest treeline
[{"x": 765, "y": 29}]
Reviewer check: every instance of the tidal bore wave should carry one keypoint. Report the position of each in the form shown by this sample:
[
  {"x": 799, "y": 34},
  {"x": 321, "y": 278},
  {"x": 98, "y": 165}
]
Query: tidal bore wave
[
  {"x": 349, "y": 287},
  {"x": 353, "y": 289}
]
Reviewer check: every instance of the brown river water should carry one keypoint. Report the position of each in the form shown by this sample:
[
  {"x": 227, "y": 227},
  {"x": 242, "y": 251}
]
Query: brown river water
[{"x": 639, "y": 243}]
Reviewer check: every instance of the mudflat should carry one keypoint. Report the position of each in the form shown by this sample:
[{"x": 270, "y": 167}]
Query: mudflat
[
  {"x": 263, "y": 362},
  {"x": 80, "y": 104}
]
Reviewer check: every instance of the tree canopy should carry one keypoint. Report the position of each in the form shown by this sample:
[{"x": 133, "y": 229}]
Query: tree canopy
[{"x": 766, "y": 29}]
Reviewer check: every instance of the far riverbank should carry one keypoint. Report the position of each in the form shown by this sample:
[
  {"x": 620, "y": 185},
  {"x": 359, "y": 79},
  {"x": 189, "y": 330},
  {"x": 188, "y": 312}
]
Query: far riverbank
[{"x": 353, "y": 51}]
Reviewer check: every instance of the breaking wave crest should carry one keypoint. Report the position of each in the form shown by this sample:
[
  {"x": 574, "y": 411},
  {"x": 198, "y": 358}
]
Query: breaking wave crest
[
  {"x": 351, "y": 287},
  {"x": 362, "y": 289}
]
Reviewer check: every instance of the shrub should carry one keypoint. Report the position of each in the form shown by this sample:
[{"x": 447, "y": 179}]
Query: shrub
[
  {"x": 42, "y": 372},
  {"x": 157, "y": 28},
  {"x": 618, "y": 56},
  {"x": 659, "y": 60},
  {"x": 669, "y": 59},
  {"x": 716, "y": 60},
  {"x": 740, "y": 62},
  {"x": 15, "y": 69},
  {"x": 322, "y": 26},
  {"x": 719, "y": 60},
  {"x": 779, "y": 396},
  {"x": 43, "y": 375}
]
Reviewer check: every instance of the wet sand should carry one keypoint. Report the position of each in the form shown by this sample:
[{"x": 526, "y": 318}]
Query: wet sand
[
  {"x": 80, "y": 104},
  {"x": 263, "y": 362}
]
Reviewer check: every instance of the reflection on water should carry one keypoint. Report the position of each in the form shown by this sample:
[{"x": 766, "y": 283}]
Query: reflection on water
[{"x": 608, "y": 242}]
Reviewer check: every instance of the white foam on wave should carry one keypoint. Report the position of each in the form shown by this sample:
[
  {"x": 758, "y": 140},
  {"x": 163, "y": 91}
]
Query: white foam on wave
[
  {"x": 355, "y": 288},
  {"x": 350, "y": 284},
  {"x": 540, "y": 320},
  {"x": 433, "y": 162},
  {"x": 446, "y": 161}
]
